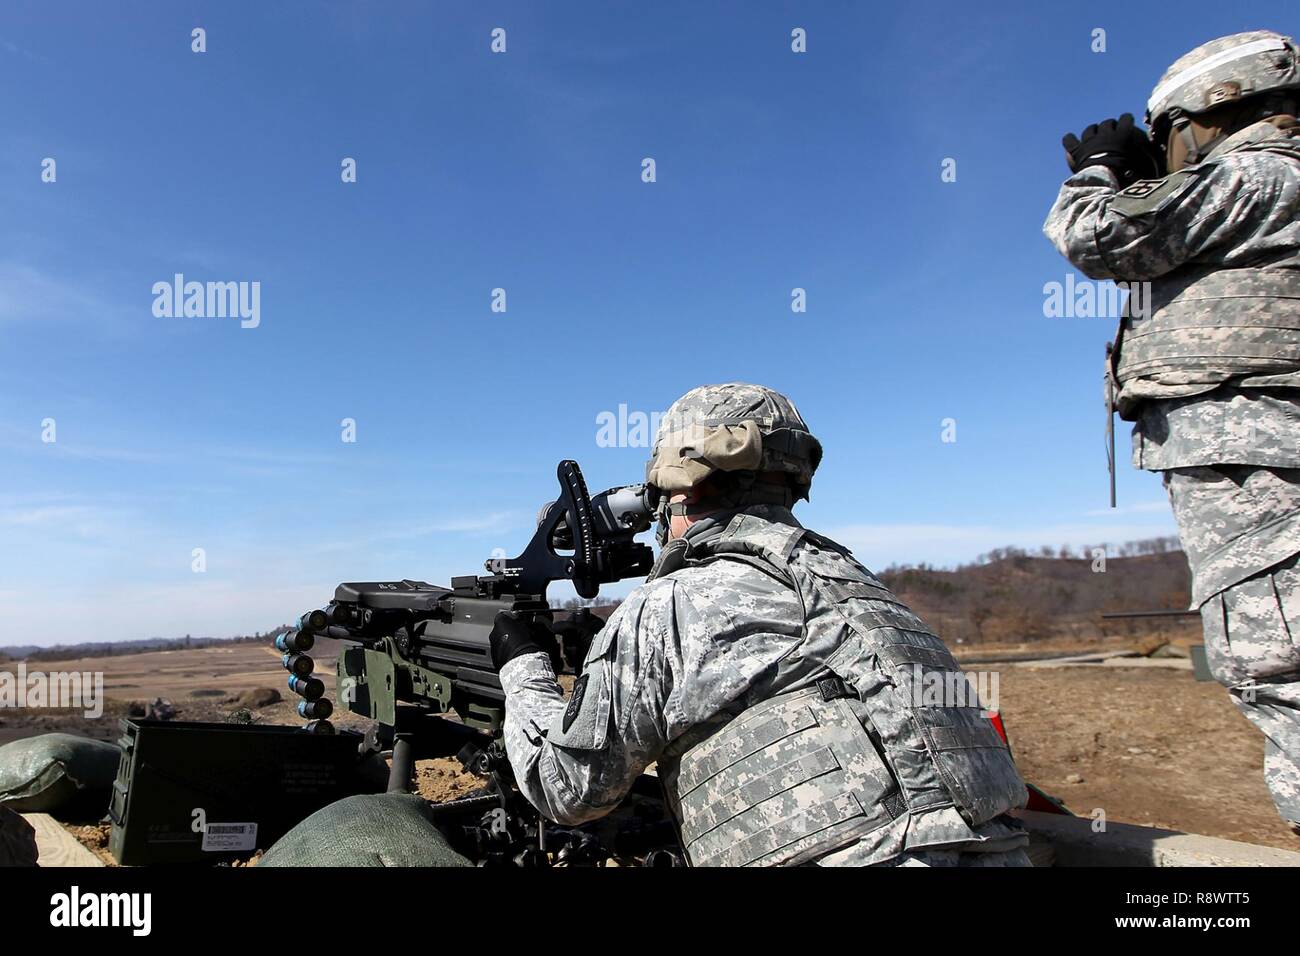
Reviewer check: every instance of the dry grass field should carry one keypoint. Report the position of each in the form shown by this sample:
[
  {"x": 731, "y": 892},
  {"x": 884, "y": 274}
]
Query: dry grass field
[{"x": 1145, "y": 745}]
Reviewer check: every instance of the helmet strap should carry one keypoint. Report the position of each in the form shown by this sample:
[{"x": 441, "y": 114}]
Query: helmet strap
[
  {"x": 1226, "y": 122},
  {"x": 735, "y": 489},
  {"x": 1193, "y": 151}
]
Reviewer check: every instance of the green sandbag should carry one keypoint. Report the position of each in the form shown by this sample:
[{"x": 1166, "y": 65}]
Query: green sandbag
[
  {"x": 59, "y": 774},
  {"x": 381, "y": 829}
]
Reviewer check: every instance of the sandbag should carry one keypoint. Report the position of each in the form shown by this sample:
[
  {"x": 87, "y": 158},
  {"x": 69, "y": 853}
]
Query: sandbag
[
  {"x": 58, "y": 774},
  {"x": 381, "y": 829},
  {"x": 17, "y": 840}
]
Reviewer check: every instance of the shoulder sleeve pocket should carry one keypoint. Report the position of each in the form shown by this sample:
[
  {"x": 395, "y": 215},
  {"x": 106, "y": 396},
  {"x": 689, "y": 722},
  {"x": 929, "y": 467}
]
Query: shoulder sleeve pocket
[
  {"x": 584, "y": 725},
  {"x": 601, "y": 644}
]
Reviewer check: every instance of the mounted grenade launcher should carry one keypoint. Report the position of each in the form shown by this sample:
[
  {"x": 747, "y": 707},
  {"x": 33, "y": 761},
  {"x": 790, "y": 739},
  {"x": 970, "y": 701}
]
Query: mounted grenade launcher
[{"x": 416, "y": 654}]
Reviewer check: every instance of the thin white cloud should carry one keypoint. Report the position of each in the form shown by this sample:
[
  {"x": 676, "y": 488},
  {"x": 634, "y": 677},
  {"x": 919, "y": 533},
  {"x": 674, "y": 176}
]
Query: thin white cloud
[
  {"x": 29, "y": 295},
  {"x": 494, "y": 522},
  {"x": 40, "y": 517},
  {"x": 238, "y": 459},
  {"x": 10, "y": 47},
  {"x": 61, "y": 520}
]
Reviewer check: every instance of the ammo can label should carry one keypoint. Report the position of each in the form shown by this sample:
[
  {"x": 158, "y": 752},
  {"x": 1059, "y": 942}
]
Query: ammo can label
[{"x": 225, "y": 837}]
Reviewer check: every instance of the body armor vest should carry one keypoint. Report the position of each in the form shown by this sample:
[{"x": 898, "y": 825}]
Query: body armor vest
[
  {"x": 1205, "y": 326},
  {"x": 859, "y": 742}
]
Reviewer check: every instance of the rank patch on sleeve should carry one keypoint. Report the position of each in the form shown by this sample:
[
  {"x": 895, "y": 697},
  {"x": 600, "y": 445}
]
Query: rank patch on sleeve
[
  {"x": 1151, "y": 195},
  {"x": 1142, "y": 188},
  {"x": 575, "y": 703}
]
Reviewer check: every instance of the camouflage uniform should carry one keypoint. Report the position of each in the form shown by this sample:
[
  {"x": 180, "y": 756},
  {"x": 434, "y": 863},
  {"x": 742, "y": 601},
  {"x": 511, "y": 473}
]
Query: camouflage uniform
[
  {"x": 770, "y": 678},
  {"x": 1209, "y": 374}
]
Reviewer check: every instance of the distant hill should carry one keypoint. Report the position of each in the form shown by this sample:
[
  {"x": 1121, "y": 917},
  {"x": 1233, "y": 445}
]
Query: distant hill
[
  {"x": 60, "y": 652},
  {"x": 1012, "y": 595},
  {"x": 1007, "y": 595}
]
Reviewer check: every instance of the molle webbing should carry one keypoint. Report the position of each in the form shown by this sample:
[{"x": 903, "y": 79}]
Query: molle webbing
[
  {"x": 791, "y": 778},
  {"x": 1222, "y": 324}
]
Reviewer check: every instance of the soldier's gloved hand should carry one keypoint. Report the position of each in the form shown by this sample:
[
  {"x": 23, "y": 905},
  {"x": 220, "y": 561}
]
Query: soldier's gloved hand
[
  {"x": 513, "y": 636},
  {"x": 1118, "y": 145}
]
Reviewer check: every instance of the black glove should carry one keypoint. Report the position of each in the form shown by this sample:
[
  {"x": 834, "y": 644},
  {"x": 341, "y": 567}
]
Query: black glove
[
  {"x": 512, "y": 636},
  {"x": 1118, "y": 145}
]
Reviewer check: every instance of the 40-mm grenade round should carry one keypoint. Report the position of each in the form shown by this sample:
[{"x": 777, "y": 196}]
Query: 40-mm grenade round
[
  {"x": 313, "y": 621},
  {"x": 315, "y": 709},
  {"x": 294, "y": 642},
  {"x": 299, "y": 664},
  {"x": 309, "y": 687}
]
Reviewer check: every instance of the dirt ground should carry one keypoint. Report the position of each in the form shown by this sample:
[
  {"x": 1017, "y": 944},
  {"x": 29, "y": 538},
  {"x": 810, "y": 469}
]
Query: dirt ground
[
  {"x": 1146, "y": 745},
  {"x": 196, "y": 681},
  {"x": 1153, "y": 747}
]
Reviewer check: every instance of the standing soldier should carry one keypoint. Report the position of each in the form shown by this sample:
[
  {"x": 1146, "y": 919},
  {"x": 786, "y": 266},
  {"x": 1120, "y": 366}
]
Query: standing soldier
[{"x": 1206, "y": 364}]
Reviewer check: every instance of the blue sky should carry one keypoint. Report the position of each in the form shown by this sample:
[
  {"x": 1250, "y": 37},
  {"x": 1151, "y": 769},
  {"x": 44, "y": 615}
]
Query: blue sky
[{"x": 522, "y": 171}]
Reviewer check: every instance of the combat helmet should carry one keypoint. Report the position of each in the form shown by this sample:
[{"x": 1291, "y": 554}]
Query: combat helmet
[
  {"x": 732, "y": 434},
  {"x": 1257, "y": 71}
]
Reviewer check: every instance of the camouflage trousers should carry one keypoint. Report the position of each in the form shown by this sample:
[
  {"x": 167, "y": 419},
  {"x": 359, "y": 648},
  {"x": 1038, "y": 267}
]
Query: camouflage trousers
[
  {"x": 1240, "y": 529},
  {"x": 949, "y": 858}
]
